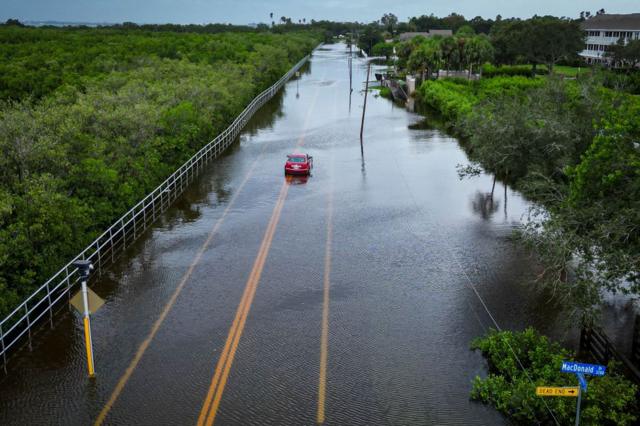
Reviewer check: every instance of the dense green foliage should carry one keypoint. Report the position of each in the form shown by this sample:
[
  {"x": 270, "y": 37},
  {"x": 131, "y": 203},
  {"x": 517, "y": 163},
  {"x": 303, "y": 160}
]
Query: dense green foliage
[
  {"x": 94, "y": 119},
  {"x": 452, "y": 22},
  {"x": 370, "y": 36},
  {"x": 538, "y": 40},
  {"x": 602, "y": 205},
  {"x": 489, "y": 71},
  {"x": 463, "y": 51},
  {"x": 625, "y": 54},
  {"x": 520, "y": 361},
  {"x": 455, "y": 98},
  {"x": 34, "y": 62}
]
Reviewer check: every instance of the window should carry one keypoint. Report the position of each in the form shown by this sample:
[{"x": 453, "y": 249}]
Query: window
[{"x": 293, "y": 159}]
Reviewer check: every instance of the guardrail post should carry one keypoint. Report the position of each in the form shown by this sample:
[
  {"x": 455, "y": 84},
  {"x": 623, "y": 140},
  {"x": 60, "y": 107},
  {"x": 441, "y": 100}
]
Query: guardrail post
[
  {"x": 112, "y": 245},
  {"x": 99, "y": 249},
  {"x": 50, "y": 306},
  {"x": 66, "y": 272},
  {"x": 144, "y": 215},
  {"x": 26, "y": 311},
  {"x": 135, "y": 228},
  {"x": 4, "y": 351},
  {"x": 124, "y": 235}
]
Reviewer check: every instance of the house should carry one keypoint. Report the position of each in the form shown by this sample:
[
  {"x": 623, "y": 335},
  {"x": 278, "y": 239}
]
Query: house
[
  {"x": 430, "y": 33},
  {"x": 605, "y": 30}
]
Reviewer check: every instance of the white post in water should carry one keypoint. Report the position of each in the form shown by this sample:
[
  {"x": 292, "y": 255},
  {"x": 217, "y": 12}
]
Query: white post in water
[{"x": 84, "y": 267}]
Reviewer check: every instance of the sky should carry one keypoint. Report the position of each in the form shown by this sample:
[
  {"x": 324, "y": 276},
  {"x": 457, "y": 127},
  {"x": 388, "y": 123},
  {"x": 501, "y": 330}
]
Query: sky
[{"x": 255, "y": 11}]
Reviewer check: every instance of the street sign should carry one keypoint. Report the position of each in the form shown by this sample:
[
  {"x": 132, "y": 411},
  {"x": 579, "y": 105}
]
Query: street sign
[
  {"x": 557, "y": 391},
  {"x": 577, "y": 367},
  {"x": 95, "y": 301}
]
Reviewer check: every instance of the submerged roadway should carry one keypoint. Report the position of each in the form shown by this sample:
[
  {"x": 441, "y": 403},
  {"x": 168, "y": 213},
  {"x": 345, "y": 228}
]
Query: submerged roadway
[{"x": 349, "y": 297}]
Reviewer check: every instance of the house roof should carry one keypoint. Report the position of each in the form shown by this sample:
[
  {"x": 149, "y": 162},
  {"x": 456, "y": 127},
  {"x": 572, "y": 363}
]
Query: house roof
[
  {"x": 440, "y": 32},
  {"x": 409, "y": 36},
  {"x": 629, "y": 21},
  {"x": 430, "y": 33}
]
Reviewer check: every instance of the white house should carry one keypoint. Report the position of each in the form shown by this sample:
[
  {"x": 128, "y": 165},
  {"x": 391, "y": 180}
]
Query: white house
[
  {"x": 430, "y": 33},
  {"x": 606, "y": 29}
]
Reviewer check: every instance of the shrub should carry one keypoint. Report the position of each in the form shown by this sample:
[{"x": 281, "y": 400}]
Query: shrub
[
  {"x": 490, "y": 71},
  {"x": 452, "y": 99},
  {"x": 609, "y": 400}
]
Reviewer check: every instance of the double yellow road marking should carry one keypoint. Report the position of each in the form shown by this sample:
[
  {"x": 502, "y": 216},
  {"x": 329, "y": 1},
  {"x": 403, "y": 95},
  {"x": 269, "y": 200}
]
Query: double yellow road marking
[
  {"x": 324, "y": 335},
  {"x": 223, "y": 367},
  {"x": 224, "y": 364},
  {"x": 212, "y": 401},
  {"x": 165, "y": 311},
  {"x": 326, "y": 285}
]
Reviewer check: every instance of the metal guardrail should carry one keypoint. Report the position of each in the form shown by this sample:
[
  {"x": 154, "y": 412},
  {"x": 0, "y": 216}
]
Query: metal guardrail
[{"x": 106, "y": 248}]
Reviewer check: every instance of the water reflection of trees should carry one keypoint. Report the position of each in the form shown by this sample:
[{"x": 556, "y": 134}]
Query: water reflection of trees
[
  {"x": 484, "y": 204},
  {"x": 266, "y": 115}
]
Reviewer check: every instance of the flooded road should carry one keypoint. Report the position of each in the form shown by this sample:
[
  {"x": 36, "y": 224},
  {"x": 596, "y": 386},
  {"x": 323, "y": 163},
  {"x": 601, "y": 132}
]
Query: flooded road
[{"x": 349, "y": 297}]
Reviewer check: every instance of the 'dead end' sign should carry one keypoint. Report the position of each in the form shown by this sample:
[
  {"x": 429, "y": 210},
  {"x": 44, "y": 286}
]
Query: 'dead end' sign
[{"x": 556, "y": 391}]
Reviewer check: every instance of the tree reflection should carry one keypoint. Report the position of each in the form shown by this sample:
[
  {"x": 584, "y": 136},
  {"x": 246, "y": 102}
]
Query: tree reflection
[{"x": 484, "y": 205}]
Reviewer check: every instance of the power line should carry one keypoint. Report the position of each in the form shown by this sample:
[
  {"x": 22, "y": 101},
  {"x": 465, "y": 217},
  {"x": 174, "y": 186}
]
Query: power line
[{"x": 473, "y": 288}]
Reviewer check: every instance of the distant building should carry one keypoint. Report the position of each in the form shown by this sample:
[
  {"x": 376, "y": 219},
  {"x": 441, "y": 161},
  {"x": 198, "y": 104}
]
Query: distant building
[
  {"x": 605, "y": 30},
  {"x": 430, "y": 33}
]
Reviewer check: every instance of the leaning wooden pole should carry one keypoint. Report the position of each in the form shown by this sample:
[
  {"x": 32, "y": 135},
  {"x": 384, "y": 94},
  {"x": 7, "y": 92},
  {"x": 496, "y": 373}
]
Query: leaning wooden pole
[{"x": 364, "y": 109}]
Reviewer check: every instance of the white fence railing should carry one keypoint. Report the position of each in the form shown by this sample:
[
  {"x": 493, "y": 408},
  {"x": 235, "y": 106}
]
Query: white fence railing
[{"x": 107, "y": 247}]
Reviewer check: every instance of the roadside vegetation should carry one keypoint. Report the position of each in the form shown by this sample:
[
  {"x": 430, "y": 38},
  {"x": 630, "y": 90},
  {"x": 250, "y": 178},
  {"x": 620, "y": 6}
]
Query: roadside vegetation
[
  {"x": 565, "y": 136},
  {"x": 93, "y": 119},
  {"x": 572, "y": 147},
  {"x": 609, "y": 400},
  {"x": 568, "y": 136}
]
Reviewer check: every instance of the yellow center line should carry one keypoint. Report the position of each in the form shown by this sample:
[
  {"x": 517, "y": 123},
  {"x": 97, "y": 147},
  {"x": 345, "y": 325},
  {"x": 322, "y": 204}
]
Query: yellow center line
[
  {"x": 156, "y": 326},
  {"x": 326, "y": 284},
  {"x": 324, "y": 337},
  {"x": 223, "y": 367}
]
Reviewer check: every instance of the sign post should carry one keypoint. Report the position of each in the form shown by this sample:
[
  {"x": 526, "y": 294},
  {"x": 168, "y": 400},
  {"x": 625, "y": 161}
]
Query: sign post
[
  {"x": 84, "y": 267},
  {"x": 578, "y": 406},
  {"x": 580, "y": 369}
]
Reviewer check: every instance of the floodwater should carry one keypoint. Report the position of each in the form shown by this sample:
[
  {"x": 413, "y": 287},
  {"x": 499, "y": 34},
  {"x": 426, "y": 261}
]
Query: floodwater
[{"x": 406, "y": 262}]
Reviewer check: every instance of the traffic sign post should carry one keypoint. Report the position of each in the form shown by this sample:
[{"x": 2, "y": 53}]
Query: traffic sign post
[
  {"x": 583, "y": 381},
  {"x": 84, "y": 268},
  {"x": 578, "y": 406},
  {"x": 580, "y": 369}
]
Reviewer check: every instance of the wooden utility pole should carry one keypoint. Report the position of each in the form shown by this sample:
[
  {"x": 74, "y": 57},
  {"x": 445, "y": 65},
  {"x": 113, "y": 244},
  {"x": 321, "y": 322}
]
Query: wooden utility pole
[
  {"x": 350, "y": 68},
  {"x": 364, "y": 109}
]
